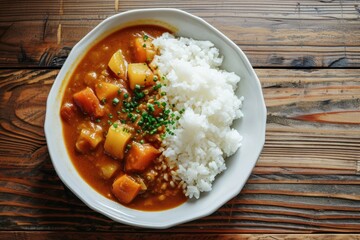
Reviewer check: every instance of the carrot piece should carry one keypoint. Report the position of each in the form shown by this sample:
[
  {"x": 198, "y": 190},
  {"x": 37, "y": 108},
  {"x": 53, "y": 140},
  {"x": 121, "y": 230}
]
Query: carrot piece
[
  {"x": 125, "y": 189},
  {"x": 140, "y": 50},
  {"x": 87, "y": 101},
  {"x": 140, "y": 157},
  {"x": 144, "y": 49},
  {"x": 157, "y": 110}
]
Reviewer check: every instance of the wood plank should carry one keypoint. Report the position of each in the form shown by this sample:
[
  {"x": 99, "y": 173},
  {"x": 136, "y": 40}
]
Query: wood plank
[
  {"x": 278, "y": 34},
  {"x": 19, "y": 235},
  {"x": 314, "y": 114},
  {"x": 306, "y": 181},
  {"x": 33, "y": 9},
  {"x": 258, "y": 178},
  {"x": 343, "y": 87},
  {"x": 138, "y": 236}
]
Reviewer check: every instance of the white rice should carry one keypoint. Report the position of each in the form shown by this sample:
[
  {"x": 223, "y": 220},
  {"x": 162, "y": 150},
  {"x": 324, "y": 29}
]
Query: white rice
[{"x": 203, "y": 136}]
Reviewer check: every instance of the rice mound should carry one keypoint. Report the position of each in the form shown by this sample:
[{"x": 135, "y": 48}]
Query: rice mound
[{"x": 202, "y": 136}]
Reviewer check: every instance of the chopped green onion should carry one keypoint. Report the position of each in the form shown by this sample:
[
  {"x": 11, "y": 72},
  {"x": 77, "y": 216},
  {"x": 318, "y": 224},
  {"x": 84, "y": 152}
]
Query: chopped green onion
[
  {"x": 157, "y": 86},
  {"x": 115, "y": 101},
  {"x": 151, "y": 107}
]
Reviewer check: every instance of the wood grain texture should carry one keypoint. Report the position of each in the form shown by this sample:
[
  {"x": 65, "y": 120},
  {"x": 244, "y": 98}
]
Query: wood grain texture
[
  {"x": 315, "y": 114},
  {"x": 282, "y": 33},
  {"x": 139, "y": 236},
  {"x": 306, "y": 180},
  {"x": 306, "y": 184}
]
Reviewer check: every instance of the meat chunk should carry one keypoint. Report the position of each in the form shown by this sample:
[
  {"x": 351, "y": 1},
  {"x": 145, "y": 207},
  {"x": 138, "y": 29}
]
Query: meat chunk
[{"x": 67, "y": 112}]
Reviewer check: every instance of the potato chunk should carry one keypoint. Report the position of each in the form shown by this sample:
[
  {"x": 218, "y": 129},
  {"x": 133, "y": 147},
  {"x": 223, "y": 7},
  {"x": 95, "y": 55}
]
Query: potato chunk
[
  {"x": 108, "y": 170},
  {"x": 116, "y": 140},
  {"x": 108, "y": 167},
  {"x": 90, "y": 78},
  {"x": 140, "y": 74},
  {"x": 118, "y": 64},
  {"x": 140, "y": 157},
  {"x": 125, "y": 189},
  {"x": 106, "y": 90},
  {"x": 89, "y": 138}
]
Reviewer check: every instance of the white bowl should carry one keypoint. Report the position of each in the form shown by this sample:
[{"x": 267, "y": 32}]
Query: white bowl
[{"x": 227, "y": 185}]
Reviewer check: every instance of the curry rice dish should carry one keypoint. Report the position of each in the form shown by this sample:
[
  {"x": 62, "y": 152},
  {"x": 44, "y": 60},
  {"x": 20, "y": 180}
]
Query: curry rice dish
[{"x": 146, "y": 117}]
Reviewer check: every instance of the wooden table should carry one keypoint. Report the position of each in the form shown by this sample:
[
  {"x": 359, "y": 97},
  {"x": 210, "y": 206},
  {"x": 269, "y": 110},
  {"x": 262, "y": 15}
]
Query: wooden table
[{"x": 306, "y": 184}]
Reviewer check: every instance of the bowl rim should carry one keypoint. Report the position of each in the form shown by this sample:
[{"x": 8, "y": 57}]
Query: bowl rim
[{"x": 99, "y": 207}]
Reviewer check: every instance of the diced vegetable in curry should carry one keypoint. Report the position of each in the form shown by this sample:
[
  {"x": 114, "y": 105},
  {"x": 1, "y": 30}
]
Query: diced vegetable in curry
[
  {"x": 140, "y": 74},
  {"x": 125, "y": 188},
  {"x": 114, "y": 121},
  {"x": 117, "y": 139}
]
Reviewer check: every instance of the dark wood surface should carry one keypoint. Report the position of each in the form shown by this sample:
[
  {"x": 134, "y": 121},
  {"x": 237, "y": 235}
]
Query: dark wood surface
[{"x": 306, "y": 184}]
